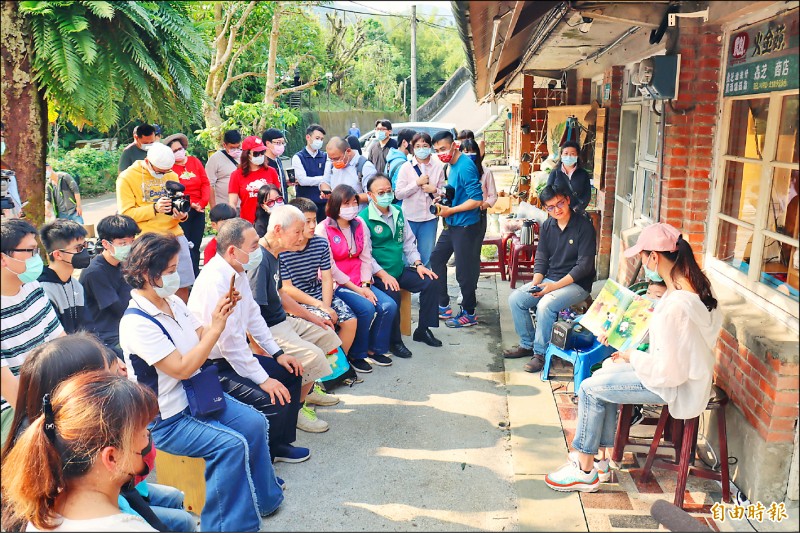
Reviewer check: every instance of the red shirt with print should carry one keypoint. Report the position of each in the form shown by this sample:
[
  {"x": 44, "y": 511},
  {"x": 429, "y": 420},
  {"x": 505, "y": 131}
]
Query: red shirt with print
[
  {"x": 246, "y": 187},
  {"x": 193, "y": 176}
]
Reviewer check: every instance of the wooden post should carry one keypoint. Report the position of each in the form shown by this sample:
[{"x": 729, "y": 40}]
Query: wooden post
[
  {"x": 526, "y": 118},
  {"x": 405, "y": 312},
  {"x": 186, "y": 474}
]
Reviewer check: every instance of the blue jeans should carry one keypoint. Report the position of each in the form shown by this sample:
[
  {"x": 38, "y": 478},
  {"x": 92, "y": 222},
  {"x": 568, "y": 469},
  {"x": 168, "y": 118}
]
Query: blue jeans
[
  {"x": 598, "y": 399},
  {"x": 375, "y": 337},
  {"x": 240, "y": 482},
  {"x": 167, "y": 503},
  {"x": 425, "y": 232},
  {"x": 547, "y": 309},
  {"x": 75, "y": 217}
]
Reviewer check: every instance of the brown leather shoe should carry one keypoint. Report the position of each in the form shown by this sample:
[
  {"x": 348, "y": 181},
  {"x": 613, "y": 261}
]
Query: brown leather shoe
[
  {"x": 517, "y": 352},
  {"x": 535, "y": 364}
]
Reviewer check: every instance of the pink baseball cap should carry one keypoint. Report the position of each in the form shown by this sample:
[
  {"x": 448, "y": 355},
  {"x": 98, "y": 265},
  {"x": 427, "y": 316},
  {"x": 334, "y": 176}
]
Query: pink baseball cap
[{"x": 655, "y": 238}]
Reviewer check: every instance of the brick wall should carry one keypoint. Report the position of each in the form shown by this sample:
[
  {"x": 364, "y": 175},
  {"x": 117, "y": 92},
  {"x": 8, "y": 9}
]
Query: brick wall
[
  {"x": 584, "y": 90},
  {"x": 689, "y": 137},
  {"x": 765, "y": 392}
]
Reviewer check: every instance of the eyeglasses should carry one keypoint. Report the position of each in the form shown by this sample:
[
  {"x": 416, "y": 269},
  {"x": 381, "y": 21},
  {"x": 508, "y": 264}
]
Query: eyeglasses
[
  {"x": 559, "y": 205},
  {"x": 278, "y": 143},
  {"x": 78, "y": 249},
  {"x": 32, "y": 251},
  {"x": 276, "y": 201}
]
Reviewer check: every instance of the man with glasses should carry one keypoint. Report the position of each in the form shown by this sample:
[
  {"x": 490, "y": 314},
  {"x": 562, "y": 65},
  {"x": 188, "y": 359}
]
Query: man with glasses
[
  {"x": 380, "y": 149},
  {"x": 563, "y": 274},
  {"x": 276, "y": 145},
  {"x": 65, "y": 242},
  {"x": 28, "y": 317},
  {"x": 346, "y": 166}
]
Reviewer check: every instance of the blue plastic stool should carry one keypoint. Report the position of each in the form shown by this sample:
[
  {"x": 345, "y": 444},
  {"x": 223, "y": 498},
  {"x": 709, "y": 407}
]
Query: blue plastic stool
[{"x": 582, "y": 361}]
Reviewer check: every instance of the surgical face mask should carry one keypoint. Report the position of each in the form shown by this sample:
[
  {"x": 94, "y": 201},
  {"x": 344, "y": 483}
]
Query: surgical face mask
[
  {"x": 384, "y": 200},
  {"x": 380, "y": 135},
  {"x": 316, "y": 144},
  {"x": 278, "y": 149},
  {"x": 652, "y": 275},
  {"x": 349, "y": 213},
  {"x": 180, "y": 155},
  {"x": 33, "y": 268},
  {"x": 253, "y": 259},
  {"x": 340, "y": 163},
  {"x": 81, "y": 260},
  {"x": 422, "y": 153},
  {"x": 121, "y": 251},
  {"x": 147, "y": 146},
  {"x": 157, "y": 175},
  {"x": 257, "y": 159},
  {"x": 447, "y": 156},
  {"x": 170, "y": 283},
  {"x": 569, "y": 160},
  {"x": 235, "y": 153}
]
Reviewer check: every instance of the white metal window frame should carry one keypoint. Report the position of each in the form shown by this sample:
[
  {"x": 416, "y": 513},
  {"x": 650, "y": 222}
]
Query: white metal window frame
[{"x": 767, "y": 298}]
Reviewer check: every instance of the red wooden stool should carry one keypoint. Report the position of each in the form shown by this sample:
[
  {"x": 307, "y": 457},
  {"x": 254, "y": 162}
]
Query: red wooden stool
[
  {"x": 685, "y": 464},
  {"x": 623, "y": 439},
  {"x": 500, "y": 264},
  {"x": 521, "y": 263}
]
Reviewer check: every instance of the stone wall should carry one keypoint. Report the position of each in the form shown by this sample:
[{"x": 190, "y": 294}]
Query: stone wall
[{"x": 443, "y": 95}]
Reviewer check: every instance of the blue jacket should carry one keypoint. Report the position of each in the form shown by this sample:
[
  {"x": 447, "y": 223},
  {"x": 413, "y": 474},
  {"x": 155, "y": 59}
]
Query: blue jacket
[{"x": 394, "y": 160}]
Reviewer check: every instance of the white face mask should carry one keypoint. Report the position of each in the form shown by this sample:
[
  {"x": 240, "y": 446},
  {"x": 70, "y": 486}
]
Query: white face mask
[
  {"x": 170, "y": 283},
  {"x": 257, "y": 160},
  {"x": 147, "y": 146},
  {"x": 349, "y": 213},
  {"x": 253, "y": 259},
  {"x": 157, "y": 175},
  {"x": 316, "y": 144}
]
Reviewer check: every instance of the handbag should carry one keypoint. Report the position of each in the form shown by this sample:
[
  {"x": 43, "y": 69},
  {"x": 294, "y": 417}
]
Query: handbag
[{"x": 203, "y": 390}]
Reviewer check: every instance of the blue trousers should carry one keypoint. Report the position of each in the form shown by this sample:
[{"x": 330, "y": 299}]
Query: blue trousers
[
  {"x": 167, "y": 503},
  {"x": 371, "y": 334},
  {"x": 240, "y": 482},
  {"x": 410, "y": 281},
  {"x": 425, "y": 232}
]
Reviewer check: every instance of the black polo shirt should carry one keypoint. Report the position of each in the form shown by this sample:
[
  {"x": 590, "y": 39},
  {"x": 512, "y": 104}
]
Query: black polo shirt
[{"x": 570, "y": 251}]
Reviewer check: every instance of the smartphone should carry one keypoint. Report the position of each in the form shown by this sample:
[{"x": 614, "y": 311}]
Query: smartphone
[
  {"x": 535, "y": 289},
  {"x": 290, "y": 175},
  {"x": 230, "y": 291}
]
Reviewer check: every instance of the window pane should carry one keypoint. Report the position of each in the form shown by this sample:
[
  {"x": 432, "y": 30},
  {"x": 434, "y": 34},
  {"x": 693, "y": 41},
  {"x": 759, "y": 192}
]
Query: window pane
[
  {"x": 740, "y": 194},
  {"x": 653, "y": 143},
  {"x": 649, "y": 190},
  {"x": 787, "y": 131},
  {"x": 748, "y": 127},
  {"x": 779, "y": 269},
  {"x": 627, "y": 161},
  {"x": 733, "y": 245},
  {"x": 783, "y": 212}
]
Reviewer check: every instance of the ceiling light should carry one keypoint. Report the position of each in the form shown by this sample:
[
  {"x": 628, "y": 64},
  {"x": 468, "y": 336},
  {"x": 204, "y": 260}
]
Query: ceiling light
[{"x": 586, "y": 23}]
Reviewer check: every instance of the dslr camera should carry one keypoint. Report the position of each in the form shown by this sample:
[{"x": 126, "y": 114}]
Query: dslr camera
[
  {"x": 444, "y": 201},
  {"x": 5, "y": 198},
  {"x": 180, "y": 201}
]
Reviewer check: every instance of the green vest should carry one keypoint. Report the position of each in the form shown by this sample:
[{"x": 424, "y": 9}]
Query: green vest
[{"x": 387, "y": 248}]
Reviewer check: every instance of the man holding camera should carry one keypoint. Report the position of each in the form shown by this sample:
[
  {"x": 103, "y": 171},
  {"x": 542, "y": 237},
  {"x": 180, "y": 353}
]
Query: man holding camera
[
  {"x": 460, "y": 210},
  {"x": 563, "y": 273},
  {"x": 145, "y": 194}
]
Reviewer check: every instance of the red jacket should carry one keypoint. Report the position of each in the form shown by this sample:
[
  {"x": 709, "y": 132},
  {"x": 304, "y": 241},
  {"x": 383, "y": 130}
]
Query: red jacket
[{"x": 193, "y": 176}]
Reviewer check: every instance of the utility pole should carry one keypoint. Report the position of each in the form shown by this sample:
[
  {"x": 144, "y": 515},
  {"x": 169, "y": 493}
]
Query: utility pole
[{"x": 413, "y": 63}]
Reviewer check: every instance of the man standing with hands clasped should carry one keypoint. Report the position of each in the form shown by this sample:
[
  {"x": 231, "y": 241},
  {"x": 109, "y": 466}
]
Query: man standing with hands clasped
[{"x": 563, "y": 273}]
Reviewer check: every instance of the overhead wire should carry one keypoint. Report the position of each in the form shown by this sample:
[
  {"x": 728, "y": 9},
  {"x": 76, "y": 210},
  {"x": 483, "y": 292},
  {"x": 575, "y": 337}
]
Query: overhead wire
[{"x": 386, "y": 14}]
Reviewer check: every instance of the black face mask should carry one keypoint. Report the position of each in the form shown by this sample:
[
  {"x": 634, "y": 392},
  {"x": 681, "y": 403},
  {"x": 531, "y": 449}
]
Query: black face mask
[
  {"x": 131, "y": 484},
  {"x": 81, "y": 260}
]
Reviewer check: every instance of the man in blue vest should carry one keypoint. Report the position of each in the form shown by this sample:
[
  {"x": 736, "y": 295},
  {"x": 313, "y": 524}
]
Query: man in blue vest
[
  {"x": 309, "y": 169},
  {"x": 393, "y": 247}
]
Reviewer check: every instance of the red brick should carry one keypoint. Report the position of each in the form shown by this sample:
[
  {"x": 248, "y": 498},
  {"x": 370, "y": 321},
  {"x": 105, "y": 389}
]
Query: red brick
[
  {"x": 780, "y": 436},
  {"x": 790, "y": 369},
  {"x": 787, "y": 383},
  {"x": 774, "y": 362},
  {"x": 678, "y": 151},
  {"x": 766, "y": 388},
  {"x": 786, "y": 411},
  {"x": 786, "y": 397},
  {"x": 782, "y": 424}
]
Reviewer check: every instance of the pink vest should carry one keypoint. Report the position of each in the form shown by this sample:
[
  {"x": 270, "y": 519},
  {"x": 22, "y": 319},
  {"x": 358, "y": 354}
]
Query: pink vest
[{"x": 348, "y": 263}]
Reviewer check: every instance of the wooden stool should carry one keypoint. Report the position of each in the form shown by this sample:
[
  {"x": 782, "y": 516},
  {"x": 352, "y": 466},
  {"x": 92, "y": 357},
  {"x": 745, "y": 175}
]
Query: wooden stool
[
  {"x": 522, "y": 259},
  {"x": 405, "y": 312},
  {"x": 685, "y": 464},
  {"x": 187, "y": 474},
  {"x": 500, "y": 264},
  {"x": 622, "y": 439}
]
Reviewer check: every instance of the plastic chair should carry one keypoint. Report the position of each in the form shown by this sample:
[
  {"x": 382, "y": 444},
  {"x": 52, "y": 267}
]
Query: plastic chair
[
  {"x": 500, "y": 264},
  {"x": 582, "y": 360},
  {"x": 522, "y": 260}
]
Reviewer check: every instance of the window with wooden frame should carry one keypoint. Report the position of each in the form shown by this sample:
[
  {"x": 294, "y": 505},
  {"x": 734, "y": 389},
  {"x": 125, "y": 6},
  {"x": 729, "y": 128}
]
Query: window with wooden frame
[{"x": 754, "y": 231}]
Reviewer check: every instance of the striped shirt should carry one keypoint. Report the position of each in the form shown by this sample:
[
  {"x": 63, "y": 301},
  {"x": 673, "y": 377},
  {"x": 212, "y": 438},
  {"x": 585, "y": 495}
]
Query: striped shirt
[
  {"x": 302, "y": 268},
  {"x": 28, "y": 320}
]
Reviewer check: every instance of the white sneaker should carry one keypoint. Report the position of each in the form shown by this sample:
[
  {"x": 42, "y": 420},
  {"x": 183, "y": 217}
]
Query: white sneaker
[
  {"x": 570, "y": 478},
  {"x": 317, "y": 396},
  {"x": 307, "y": 421},
  {"x": 603, "y": 467}
]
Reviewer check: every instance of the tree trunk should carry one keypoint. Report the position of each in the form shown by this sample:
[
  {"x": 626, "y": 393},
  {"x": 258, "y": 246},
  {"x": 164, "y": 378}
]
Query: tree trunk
[
  {"x": 272, "y": 60},
  {"x": 24, "y": 112}
]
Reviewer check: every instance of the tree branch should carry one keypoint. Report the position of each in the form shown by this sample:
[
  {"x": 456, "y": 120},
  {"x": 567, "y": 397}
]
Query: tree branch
[
  {"x": 228, "y": 82},
  {"x": 234, "y": 31},
  {"x": 243, "y": 48}
]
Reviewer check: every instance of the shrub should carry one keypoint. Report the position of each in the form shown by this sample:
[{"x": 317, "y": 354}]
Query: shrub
[{"x": 94, "y": 170}]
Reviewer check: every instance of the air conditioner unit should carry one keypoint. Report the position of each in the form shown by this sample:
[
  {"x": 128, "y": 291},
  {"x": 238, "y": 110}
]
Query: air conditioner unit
[{"x": 659, "y": 77}]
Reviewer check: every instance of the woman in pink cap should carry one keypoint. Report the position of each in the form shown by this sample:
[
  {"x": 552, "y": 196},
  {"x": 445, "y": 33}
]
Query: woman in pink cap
[{"x": 677, "y": 371}]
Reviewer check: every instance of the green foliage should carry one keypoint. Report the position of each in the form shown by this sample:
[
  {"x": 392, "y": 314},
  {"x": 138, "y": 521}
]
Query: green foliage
[
  {"x": 92, "y": 56},
  {"x": 95, "y": 170},
  {"x": 245, "y": 117}
]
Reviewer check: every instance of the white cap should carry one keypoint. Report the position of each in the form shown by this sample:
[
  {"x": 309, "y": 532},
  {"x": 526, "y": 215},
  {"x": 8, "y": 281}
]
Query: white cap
[{"x": 160, "y": 156}]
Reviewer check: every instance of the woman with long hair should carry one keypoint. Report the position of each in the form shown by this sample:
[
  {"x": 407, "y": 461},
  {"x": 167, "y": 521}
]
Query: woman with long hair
[
  {"x": 677, "y": 371},
  {"x": 471, "y": 149},
  {"x": 66, "y": 470},
  {"x": 253, "y": 173}
]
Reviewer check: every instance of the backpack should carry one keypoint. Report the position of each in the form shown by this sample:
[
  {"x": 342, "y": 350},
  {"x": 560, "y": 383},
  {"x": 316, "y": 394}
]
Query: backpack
[
  {"x": 343, "y": 373},
  {"x": 360, "y": 167}
]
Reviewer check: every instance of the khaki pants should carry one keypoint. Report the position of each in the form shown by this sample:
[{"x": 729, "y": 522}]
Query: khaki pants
[{"x": 308, "y": 343}]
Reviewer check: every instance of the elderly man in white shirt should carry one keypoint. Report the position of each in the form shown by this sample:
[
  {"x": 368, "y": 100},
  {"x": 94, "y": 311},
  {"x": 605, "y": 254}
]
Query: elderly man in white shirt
[
  {"x": 270, "y": 383},
  {"x": 346, "y": 166}
]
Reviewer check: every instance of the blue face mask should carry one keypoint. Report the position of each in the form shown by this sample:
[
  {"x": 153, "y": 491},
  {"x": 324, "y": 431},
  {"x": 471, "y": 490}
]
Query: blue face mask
[
  {"x": 652, "y": 275},
  {"x": 380, "y": 135},
  {"x": 473, "y": 157},
  {"x": 33, "y": 269},
  {"x": 569, "y": 160},
  {"x": 422, "y": 153},
  {"x": 384, "y": 200}
]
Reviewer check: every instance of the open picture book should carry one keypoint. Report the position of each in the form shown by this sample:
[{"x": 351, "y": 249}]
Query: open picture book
[{"x": 620, "y": 314}]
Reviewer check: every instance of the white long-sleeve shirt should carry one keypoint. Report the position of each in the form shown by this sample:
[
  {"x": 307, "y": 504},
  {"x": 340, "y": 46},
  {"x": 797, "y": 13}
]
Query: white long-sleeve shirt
[
  {"x": 300, "y": 171},
  {"x": 680, "y": 364},
  {"x": 212, "y": 283}
]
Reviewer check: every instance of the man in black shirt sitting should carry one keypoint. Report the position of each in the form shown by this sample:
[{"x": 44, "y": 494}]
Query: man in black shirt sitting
[
  {"x": 107, "y": 292},
  {"x": 563, "y": 274}
]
